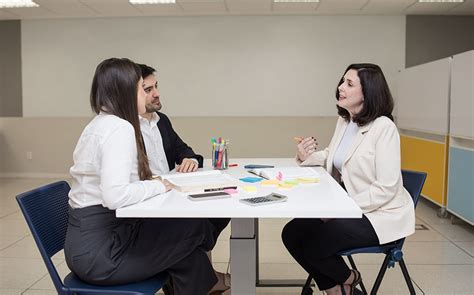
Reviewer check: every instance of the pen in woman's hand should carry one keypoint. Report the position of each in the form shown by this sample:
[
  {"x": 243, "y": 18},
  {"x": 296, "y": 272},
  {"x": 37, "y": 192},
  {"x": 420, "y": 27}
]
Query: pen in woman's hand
[{"x": 298, "y": 139}]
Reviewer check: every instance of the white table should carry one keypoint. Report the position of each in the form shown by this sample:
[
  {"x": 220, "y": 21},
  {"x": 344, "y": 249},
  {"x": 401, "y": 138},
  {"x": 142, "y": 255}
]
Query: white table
[{"x": 325, "y": 199}]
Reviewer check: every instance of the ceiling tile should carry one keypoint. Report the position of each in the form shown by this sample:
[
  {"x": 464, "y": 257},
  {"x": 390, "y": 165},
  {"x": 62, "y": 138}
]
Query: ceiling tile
[
  {"x": 431, "y": 8},
  {"x": 66, "y": 8},
  {"x": 162, "y": 9},
  {"x": 387, "y": 6},
  {"x": 33, "y": 12},
  {"x": 344, "y": 5},
  {"x": 202, "y": 6},
  {"x": 122, "y": 8},
  {"x": 466, "y": 8},
  {"x": 4, "y": 15},
  {"x": 249, "y": 6},
  {"x": 112, "y": 7}
]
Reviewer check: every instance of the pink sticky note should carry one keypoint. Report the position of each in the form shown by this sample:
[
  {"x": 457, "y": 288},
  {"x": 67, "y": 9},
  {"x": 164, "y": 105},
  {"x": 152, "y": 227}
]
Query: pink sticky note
[
  {"x": 279, "y": 176},
  {"x": 231, "y": 191}
]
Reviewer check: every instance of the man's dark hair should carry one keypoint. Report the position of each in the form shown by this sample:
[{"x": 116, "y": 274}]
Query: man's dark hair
[
  {"x": 146, "y": 70},
  {"x": 378, "y": 100}
]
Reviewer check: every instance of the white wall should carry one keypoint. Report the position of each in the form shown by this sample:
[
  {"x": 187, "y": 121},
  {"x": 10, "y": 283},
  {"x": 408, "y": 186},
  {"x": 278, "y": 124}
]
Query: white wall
[{"x": 209, "y": 66}]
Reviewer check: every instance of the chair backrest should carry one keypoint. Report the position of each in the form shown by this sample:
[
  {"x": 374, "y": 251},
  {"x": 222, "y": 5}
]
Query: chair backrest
[
  {"x": 46, "y": 213},
  {"x": 413, "y": 182}
]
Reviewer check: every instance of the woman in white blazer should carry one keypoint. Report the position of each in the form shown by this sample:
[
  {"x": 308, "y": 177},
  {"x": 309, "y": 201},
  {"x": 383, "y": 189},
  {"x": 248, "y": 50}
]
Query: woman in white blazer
[{"x": 364, "y": 156}]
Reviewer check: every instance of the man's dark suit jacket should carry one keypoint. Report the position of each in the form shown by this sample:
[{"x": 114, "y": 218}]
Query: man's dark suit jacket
[{"x": 175, "y": 148}]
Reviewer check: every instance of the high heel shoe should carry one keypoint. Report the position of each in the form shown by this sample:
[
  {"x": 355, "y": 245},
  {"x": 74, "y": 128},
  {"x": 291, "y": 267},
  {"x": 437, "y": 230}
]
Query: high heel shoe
[
  {"x": 356, "y": 281},
  {"x": 343, "y": 291},
  {"x": 223, "y": 289}
]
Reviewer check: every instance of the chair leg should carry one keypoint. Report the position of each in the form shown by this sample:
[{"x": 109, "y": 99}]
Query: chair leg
[
  {"x": 379, "y": 279},
  {"x": 353, "y": 265},
  {"x": 407, "y": 276},
  {"x": 307, "y": 287}
]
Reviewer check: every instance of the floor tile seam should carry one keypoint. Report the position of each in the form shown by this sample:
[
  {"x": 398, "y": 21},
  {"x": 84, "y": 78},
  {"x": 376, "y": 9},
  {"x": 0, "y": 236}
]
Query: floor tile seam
[
  {"x": 14, "y": 236},
  {"x": 441, "y": 264},
  {"x": 21, "y": 239},
  {"x": 416, "y": 264},
  {"x": 434, "y": 223},
  {"x": 37, "y": 281},
  {"x": 418, "y": 286},
  {"x": 36, "y": 258},
  {"x": 450, "y": 242},
  {"x": 447, "y": 238},
  {"x": 8, "y": 215}
]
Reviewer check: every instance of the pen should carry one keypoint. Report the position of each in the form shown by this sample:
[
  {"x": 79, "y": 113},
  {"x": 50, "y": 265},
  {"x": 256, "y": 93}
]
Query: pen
[
  {"x": 219, "y": 188},
  {"x": 233, "y": 165},
  {"x": 299, "y": 139},
  {"x": 257, "y": 166}
]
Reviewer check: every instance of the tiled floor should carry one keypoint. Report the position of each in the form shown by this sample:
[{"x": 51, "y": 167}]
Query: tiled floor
[{"x": 439, "y": 259}]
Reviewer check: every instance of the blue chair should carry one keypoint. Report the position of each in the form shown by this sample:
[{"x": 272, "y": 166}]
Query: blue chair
[
  {"x": 46, "y": 212},
  {"x": 413, "y": 182}
]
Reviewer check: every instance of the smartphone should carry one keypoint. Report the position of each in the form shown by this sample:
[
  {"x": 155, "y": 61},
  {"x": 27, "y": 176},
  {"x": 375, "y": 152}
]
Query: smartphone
[
  {"x": 268, "y": 199},
  {"x": 208, "y": 196}
]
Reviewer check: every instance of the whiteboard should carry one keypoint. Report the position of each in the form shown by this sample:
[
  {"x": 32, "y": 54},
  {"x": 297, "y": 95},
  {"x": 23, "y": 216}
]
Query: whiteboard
[
  {"x": 462, "y": 95},
  {"x": 423, "y": 97}
]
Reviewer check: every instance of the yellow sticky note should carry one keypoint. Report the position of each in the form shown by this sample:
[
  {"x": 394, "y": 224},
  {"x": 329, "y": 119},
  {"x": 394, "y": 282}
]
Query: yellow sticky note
[
  {"x": 308, "y": 180},
  {"x": 291, "y": 182},
  {"x": 285, "y": 186},
  {"x": 249, "y": 189},
  {"x": 269, "y": 182}
]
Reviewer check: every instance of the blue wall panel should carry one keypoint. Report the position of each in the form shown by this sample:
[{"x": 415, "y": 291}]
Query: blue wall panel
[{"x": 461, "y": 183}]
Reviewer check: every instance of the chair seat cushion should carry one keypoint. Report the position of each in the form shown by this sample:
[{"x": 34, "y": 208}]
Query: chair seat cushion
[
  {"x": 385, "y": 248},
  {"x": 149, "y": 286}
]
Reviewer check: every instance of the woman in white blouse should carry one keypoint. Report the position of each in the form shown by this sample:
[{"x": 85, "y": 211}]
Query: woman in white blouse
[
  {"x": 110, "y": 171},
  {"x": 364, "y": 156}
]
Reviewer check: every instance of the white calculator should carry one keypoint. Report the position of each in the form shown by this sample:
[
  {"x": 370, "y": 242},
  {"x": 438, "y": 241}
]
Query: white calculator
[{"x": 268, "y": 199}]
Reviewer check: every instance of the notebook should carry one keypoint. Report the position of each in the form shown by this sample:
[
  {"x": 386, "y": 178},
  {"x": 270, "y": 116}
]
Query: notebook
[
  {"x": 286, "y": 173},
  {"x": 199, "y": 181}
]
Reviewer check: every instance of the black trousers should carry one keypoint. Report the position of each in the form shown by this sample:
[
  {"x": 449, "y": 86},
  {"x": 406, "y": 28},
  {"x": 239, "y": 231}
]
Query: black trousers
[
  {"x": 104, "y": 250},
  {"x": 314, "y": 243}
]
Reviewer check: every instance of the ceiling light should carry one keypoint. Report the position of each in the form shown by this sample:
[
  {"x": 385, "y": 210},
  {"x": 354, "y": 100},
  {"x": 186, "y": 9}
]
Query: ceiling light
[
  {"x": 152, "y": 1},
  {"x": 441, "y": 1},
  {"x": 17, "y": 3},
  {"x": 295, "y": 1}
]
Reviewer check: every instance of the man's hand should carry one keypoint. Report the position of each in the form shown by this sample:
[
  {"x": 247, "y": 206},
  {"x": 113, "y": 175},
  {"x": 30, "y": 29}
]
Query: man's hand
[
  {"x": 187, "y": 165},
  {"x": 306, "y": 147}
]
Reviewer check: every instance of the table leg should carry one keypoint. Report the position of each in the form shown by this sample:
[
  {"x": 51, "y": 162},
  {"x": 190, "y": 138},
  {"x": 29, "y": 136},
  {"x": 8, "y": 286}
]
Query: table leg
[{"x": 243, "y": 256}]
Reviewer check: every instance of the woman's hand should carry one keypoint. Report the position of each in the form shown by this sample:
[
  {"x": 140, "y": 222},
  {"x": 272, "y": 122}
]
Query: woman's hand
[
  {"x": 306, "y": 147},
  {"x": 168, "y": 185}
]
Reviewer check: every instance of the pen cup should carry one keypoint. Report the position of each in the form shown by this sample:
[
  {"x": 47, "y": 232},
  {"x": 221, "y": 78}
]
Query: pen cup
[{"x": 220, "y": 159}]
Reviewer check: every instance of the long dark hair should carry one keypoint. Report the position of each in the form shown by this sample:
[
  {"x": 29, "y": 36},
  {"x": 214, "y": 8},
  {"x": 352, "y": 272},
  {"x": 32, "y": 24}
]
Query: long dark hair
[
  {"x": 378, "y": 100},
  {"x": 114, "y": 91}
]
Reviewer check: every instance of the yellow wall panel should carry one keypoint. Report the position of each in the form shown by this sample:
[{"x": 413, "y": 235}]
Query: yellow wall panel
[{"x": 431, "y": 157}]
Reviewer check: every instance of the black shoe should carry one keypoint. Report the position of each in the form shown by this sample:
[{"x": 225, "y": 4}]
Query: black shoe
[
  {"x": 307, "y": 291},
  {"x": 358, "y": 292},
  {"x": 168, "y": 287}
]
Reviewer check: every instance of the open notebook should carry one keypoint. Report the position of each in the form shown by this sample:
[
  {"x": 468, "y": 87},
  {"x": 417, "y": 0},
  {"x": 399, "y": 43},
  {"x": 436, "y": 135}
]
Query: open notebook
[
  {"x": 201, "y": 181},
  {"x": 286, "y": 173}
]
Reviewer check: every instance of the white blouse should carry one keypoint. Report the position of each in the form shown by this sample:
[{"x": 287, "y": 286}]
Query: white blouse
[
  {"x": 105, "y": 169},
  {"x": 154, "y": 145},
  {"x": 345, "y": 144}
]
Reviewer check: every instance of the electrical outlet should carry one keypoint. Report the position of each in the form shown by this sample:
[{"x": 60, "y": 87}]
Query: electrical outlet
[{"x": 29, "y": 155}]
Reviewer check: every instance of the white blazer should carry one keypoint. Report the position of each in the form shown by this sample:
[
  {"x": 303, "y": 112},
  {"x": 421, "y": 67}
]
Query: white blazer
[{"x": 372, "y": 176}]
